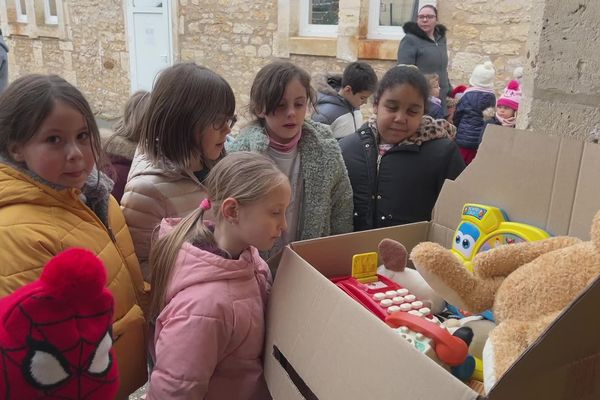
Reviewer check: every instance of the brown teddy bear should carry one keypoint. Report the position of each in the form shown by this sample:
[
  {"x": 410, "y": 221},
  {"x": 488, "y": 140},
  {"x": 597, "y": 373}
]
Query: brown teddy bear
[{"x": 526, "y": 285}]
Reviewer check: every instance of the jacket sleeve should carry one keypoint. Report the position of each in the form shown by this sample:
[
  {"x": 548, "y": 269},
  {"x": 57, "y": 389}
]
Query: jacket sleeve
[
  {"x": 318, "y": 117},
  {"x": 341, "y": 199},
  {"x": 459, "y": 113},
  {"x": 187, "y": 350},
  {"x": 143, "y": 207},
  {"x": 407, "y": 51},
  {"x": 456, "y": 164}
]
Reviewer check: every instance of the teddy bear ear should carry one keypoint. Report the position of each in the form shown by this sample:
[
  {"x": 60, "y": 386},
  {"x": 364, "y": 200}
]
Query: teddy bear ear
[{"x": 393, "y": 255}]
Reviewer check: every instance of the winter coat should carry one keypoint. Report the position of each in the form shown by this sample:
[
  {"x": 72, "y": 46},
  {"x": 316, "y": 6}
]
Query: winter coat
[
  {"x": 120, "y": 152},
  {"x": 434, "y": 110},
  {"x": 326, "y": 204},
  {"x": 404, "y": 185},
  {"x": 38, "y": 220},
  {"x": 153, "y": 193},
  {"x": 3, "y": 64},
  {"x": 431, "y": 56},
  {"x": 208, "y": 340},
  {"x": 468, "y": 116},
  {"x": 333, "y": 109}
]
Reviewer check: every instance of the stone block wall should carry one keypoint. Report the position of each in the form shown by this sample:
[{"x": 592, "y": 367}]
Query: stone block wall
[
  {"x": 236, "y": 38},
  {"x": 93, "y": 55}
]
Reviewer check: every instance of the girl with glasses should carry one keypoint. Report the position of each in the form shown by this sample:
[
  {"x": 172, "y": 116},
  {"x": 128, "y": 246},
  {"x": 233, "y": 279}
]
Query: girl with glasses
[{"x": 190, "y": 112}]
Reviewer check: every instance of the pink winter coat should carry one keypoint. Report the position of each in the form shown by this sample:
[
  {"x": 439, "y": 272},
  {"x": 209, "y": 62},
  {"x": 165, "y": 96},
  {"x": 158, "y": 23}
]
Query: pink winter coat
[{"x": 208, "y": 340}]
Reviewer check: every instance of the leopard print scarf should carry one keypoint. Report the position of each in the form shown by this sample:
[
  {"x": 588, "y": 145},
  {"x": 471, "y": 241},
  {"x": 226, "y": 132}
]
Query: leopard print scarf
[{"x": 429, "y": 129}]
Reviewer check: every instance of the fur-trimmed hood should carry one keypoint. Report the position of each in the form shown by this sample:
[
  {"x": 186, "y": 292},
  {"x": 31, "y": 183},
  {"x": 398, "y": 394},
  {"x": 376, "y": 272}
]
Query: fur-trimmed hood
[
  {"x": 412, "y": 28},
  {"x": 329, "y": 84},
  {"x": 489, "y": 113},
  {"x": 117, "y": 145}
]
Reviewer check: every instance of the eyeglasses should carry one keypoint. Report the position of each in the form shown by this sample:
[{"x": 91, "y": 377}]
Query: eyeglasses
[
  {"x": 222, "y": 123},
  {"x": 426, "y": 17}
]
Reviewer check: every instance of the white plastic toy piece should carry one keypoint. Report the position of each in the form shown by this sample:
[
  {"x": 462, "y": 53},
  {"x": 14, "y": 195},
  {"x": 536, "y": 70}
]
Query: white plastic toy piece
[{"x": 394, "y": 257}]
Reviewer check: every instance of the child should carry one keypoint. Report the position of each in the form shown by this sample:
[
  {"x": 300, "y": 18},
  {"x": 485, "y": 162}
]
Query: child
[
  {"x": 210, "y": 286},
  {"x": 434, "y": 104},
  {"x": 120, "y": 146},
  {"x": 54, "y": 198},
  {"x": 304, "y": 150},
  {"x": 183, "y": 133},
  {"x": 338, "y": 103},
  {"x": 468, "y": 116},
  {"x": 398, "y": 161},
  {"x": 507, "y": 106}
]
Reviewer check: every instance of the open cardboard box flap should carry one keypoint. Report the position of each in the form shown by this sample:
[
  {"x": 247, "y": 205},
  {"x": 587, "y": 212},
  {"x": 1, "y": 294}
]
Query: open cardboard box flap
[{"x": 543, "y": 180}]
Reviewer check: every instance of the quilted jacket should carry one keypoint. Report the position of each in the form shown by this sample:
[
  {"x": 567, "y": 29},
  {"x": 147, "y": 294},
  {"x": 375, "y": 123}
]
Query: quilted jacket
[
  {"x": 38, "y": 221},
  {"x": 153, "y": 193}
]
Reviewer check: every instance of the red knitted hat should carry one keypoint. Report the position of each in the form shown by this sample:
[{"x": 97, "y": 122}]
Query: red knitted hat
[
  {"x": 458, "y": 89},
  {"x": 511, "y": 97},
  {"x": 55, "y": 333}
]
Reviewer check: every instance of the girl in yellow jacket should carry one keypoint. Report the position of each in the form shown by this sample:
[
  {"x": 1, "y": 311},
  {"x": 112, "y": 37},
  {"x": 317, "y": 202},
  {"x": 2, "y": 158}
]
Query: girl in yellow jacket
[{"x": 52, "y": 197}]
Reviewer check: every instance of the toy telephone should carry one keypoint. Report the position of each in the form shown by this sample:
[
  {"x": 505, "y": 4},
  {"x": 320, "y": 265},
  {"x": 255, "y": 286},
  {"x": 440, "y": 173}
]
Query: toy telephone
[
  {"x": 449, "y": 349},
  {"x": 484, "y": 227},
  {"x": 377, "y": 293}
]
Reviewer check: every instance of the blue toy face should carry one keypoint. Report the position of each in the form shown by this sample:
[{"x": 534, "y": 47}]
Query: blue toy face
[{"x": 467, "y": 235}]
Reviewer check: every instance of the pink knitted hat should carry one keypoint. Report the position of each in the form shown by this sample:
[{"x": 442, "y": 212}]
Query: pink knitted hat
[{"x": 511, "y": 97}]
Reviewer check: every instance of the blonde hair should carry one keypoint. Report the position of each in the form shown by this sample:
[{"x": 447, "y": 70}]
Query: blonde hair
[
  {"x": 244, "y": 176},
  {"x": 432, "y": 78}
]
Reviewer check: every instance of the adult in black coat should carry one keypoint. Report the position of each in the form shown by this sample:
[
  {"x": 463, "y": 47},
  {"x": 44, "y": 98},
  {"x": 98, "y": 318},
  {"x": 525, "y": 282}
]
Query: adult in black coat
[{"x": 424, "y": 45}]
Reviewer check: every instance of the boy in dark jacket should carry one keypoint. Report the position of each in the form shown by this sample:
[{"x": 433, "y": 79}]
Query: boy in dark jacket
[
  {"x": 340, "y": 98},
  {"x": 468, "y": 117}
]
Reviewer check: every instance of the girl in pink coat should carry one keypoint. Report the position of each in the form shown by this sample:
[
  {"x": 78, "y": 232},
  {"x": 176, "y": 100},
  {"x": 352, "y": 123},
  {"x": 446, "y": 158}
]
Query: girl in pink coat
[{"x": 210, "y": 286}]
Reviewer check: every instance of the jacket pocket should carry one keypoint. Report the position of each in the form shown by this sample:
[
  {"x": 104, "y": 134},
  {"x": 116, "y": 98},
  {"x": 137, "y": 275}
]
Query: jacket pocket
[{"x": 130, "y": 348}]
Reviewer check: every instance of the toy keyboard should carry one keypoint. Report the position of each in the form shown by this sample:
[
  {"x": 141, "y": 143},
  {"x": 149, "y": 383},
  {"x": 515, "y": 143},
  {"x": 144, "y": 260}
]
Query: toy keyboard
[{"x": 382, "y": 296}]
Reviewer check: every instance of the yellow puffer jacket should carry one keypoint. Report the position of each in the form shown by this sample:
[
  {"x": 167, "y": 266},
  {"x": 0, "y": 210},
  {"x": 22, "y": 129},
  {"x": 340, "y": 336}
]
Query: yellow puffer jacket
[{"x": 37, "y": 222}]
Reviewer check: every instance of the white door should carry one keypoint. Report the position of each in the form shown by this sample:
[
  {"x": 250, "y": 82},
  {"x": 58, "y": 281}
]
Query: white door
[{"x": 149, "y": 40}]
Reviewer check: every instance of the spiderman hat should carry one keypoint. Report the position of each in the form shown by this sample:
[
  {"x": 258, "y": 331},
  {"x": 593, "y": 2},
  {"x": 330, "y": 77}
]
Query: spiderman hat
[{"x": 55, "y": 333}]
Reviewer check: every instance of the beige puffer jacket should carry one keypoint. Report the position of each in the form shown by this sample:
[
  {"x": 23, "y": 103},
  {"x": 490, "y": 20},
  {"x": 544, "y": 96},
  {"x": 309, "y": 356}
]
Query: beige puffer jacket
[{"x": 153, "y": 193}]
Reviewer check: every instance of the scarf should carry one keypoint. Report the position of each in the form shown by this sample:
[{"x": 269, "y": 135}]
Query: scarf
[
  {"x": 429, "y": 129},
  {"x": 285, "y": 147},
  {"x": 510, "y": 122}
]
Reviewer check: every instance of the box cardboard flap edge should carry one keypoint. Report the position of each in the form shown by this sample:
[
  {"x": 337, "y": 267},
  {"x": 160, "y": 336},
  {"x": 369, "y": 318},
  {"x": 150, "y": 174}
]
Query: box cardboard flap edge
[{"x": 316, "y": 352}]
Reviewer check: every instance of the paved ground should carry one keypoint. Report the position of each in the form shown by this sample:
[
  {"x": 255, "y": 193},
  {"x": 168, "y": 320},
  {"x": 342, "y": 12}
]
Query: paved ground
[{"x": 138, "y": 395}]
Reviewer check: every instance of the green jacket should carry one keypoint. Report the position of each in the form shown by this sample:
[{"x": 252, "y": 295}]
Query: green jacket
[{"x": 326, "y": 208}]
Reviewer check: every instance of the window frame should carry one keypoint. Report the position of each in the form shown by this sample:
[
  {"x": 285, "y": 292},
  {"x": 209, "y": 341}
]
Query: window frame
[
  {"x": 376, "y": 31},
  {"x": 313, "y": 30},
  {"x": 50, "y": 19},
  {"x": 22, "y": 17}
]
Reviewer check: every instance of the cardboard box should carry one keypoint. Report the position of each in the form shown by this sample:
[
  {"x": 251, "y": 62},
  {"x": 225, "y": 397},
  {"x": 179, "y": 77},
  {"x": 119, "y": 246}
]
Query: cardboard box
[{"x": 321, "y": 344}]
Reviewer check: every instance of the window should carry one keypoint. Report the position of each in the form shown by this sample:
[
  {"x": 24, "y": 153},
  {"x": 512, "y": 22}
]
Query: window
[
  {"x": 21, "y": 7},
  {"x": 386, "y": 17},
  {"x": 319, "y": 18},
  {"x": 50, "y": 13}
]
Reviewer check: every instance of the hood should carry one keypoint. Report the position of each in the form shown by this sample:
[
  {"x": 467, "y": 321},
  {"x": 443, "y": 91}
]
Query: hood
[
  {"x": 489, "y": 113},
  {"x": 3, "y": 44},
  {"x": 329, "y": 84},
  {"x": 117, "y": 145},
  {"x": 413, "y": 28},
  {"x": 194, "y": 265}
]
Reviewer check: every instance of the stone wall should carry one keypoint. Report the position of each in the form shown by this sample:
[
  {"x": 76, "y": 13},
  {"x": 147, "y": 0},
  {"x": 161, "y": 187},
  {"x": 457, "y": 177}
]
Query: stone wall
[
  {"x": 562, "y": 75},
  {"x": 482, "y": 30},
  {"x": 236, "y": 38},
  {"x": 93, "y": 55}
]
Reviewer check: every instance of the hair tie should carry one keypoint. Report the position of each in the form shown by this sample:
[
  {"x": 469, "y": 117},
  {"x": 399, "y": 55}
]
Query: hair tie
[{"x": 205, "y": 204}]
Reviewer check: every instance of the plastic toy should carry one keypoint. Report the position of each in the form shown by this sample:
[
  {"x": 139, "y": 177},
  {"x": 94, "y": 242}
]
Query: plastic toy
[
  {"x": 378, "y": 294},
  {"x": 55, "y": 333},
  {"x": 503, "y": 277},
  {"x": 449, "y": 349},
  {"x": 484, "y": 227},
  {"x": 395, "y": 259}
]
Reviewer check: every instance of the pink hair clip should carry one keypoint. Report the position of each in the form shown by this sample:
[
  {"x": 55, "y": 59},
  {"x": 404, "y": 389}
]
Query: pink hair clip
[{"x": 205, "y": 204}]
